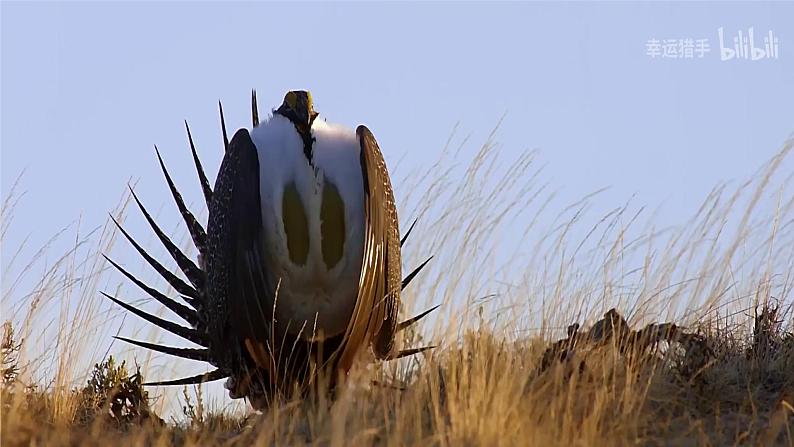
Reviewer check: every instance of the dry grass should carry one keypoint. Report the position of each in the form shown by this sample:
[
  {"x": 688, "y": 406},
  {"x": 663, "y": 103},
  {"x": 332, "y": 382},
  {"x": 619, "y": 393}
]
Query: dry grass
[{"x": 530, "y": 351}]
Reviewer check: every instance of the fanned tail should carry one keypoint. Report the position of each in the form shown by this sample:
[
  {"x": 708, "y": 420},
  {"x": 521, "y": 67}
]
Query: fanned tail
[
  {"x": 195, "y": 229},
  {"x": 202, "y": 354},
  {"x": 223, "y": 128},
  {"x": 402, "y": 241},
  {"x": 194, "y": 274},
  {"x": 254, "y": 109},
  {"x": 184, "y": 332},
  {"x": 408, "y": 352},
  {"x": 407, "y": 280},
  {"x": 187, "y": 314},
  {"x": 194, "y": 380},
  {"x": 411, "y": 321},
  {"x": 205, "y": 184},
  {"x": 191, "y": 294}
]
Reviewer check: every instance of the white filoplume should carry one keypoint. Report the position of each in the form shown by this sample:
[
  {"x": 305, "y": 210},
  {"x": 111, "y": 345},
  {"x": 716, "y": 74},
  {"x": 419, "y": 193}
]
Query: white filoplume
[{"x": 311, "y": 291}]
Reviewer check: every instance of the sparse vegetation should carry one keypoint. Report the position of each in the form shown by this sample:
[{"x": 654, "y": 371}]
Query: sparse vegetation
[
  {"x": 679, "y": 336},
  {"x": 9, "y": 354}
]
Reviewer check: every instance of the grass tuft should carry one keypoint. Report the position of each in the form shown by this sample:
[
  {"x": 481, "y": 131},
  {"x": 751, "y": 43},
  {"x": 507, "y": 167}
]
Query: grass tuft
[{"x": 565, "y": 329}]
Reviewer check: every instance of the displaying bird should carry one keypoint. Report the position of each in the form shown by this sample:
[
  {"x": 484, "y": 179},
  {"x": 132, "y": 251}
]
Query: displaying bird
[{"x": 299, "y": 268}]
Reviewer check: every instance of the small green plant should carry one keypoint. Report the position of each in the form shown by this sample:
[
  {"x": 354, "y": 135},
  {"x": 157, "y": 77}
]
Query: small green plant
[{"x": 112, "y": 393}]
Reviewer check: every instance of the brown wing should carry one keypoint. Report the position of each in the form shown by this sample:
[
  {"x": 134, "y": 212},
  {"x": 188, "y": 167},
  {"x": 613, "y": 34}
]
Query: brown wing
[{"x": 374, "y": 317}]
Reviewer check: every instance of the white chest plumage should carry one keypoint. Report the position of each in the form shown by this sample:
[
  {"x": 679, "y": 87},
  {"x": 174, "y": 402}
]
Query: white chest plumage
[{"x": 313, "y": 219}]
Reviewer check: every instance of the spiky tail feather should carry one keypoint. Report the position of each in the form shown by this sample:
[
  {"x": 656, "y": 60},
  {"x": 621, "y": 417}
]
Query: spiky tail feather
[
  {"x": 195, "y": 229},
  {"x": 194, "y": 274}
]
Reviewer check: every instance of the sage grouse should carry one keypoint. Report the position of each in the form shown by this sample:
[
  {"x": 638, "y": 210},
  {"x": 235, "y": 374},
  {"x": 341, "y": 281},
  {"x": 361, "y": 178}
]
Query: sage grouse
[{"x": 298, "y": 269}]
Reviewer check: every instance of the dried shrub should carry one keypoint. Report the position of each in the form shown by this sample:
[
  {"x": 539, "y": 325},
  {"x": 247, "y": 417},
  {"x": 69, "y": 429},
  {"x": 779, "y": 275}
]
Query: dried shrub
[
  {"x": 9, "y": 355},
  {"x": 113, "y": 395}
]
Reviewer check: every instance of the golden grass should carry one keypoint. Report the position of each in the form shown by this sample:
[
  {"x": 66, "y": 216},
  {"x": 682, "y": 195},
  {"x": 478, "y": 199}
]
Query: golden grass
[{"x": 511, "y": 278}]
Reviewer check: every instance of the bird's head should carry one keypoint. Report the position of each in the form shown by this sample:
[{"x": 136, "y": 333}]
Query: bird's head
[{"x": 298, "y": 108}]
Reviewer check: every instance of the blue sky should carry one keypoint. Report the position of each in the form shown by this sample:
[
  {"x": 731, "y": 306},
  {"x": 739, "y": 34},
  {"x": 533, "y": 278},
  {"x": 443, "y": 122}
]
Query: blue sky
[{"x": 88, "y": 89}]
